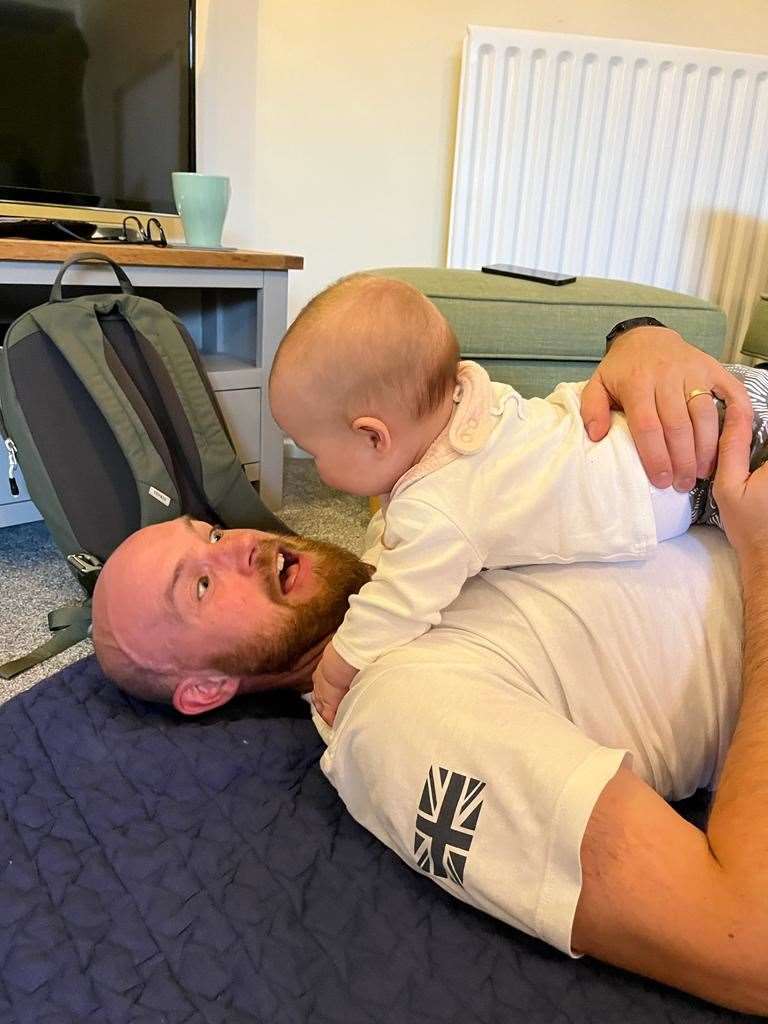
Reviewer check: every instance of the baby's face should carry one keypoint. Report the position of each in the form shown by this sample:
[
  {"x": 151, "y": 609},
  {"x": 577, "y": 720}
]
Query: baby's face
[
  {"x": 346, "y": 459},
  {"x": 347, "y": 463}
]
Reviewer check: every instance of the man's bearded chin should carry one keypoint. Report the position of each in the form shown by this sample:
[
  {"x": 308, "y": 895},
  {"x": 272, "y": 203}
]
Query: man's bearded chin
[{"x": 340, "y": 574}]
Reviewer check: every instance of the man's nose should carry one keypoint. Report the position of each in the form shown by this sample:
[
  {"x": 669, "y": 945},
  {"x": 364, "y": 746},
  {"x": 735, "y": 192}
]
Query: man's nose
[{"x": 239, "y": 550}]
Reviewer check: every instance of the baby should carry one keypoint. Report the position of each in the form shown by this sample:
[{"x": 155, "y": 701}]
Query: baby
[{"x": 472, "y": 476}]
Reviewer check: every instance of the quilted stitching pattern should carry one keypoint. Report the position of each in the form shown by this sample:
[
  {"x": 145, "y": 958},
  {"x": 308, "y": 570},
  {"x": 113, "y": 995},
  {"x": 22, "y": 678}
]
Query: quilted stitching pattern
[{"x": 160, "y": 870}]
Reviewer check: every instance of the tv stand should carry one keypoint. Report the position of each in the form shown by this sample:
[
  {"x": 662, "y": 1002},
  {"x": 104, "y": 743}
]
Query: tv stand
[{"x": 233, "y": 303}]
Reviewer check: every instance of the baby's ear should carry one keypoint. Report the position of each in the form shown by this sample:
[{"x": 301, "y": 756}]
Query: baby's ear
[{"x": 376, "y": 431}]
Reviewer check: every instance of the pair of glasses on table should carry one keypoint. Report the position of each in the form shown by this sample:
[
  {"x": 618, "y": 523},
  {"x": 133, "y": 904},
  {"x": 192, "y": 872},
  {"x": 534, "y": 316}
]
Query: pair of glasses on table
[{"x": 151, "y": 233}]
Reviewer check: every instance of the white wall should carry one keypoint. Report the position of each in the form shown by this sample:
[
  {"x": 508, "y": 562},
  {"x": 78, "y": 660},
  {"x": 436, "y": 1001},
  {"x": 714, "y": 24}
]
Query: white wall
[
  {"x": 336, "y": 118},
  {"x": 227, "y": 90}
]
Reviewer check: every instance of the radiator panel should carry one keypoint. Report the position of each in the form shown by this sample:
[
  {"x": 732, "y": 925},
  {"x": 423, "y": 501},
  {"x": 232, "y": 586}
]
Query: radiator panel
[{"x": 614, "y": 158}]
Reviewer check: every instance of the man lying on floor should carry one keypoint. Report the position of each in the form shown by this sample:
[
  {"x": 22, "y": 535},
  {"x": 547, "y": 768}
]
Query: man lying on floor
[{"x": 521, "y": 751}]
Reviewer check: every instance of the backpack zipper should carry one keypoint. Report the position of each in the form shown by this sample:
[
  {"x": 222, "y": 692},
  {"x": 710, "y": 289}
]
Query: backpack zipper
[{"x": 12, "y": 464}]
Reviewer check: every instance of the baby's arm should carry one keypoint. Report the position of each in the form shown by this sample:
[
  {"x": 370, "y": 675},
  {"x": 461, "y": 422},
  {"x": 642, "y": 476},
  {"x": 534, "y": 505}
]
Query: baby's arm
[
  {"x": 420, "y": 572},
  {"x": 330, "y": 681}
]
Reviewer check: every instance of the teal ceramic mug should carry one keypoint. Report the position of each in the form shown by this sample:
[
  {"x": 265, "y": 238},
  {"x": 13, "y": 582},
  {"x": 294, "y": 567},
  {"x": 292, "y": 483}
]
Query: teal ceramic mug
[{"x": 202, "y": 201}]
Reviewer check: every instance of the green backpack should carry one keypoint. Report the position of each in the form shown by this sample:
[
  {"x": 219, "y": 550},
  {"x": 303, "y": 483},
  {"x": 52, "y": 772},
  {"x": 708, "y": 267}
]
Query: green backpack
[{"x": 106, "y": 406}]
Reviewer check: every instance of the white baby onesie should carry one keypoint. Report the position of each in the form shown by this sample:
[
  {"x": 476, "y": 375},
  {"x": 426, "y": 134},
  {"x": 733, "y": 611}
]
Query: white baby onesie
[{"x": 510, "y": 482}]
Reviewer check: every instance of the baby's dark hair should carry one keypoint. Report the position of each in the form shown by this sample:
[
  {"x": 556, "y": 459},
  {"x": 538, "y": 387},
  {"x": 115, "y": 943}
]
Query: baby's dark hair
[{"x": 392, "y": 339}]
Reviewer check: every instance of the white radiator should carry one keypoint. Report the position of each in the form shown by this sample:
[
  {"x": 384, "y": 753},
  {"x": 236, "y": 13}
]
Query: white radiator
[{"x": 614, "y": 158}]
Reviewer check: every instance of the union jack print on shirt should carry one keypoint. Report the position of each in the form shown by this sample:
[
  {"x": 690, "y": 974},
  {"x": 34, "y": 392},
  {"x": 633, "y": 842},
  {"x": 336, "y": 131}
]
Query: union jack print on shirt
[{"x": 446, "y": 820}]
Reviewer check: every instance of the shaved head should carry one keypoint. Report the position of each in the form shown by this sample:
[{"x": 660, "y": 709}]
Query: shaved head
[{"x": 184, "y": 600}]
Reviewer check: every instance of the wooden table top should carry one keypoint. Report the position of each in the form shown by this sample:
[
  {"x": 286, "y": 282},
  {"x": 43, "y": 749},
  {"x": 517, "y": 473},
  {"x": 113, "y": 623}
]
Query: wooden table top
[{"x": 149, "y": 255}]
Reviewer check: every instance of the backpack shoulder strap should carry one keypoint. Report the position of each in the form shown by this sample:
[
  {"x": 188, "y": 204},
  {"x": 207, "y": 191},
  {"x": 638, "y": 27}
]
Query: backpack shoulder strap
[
  {"x": 226, "y": 486},
  {"x": 69, "y": 624}
]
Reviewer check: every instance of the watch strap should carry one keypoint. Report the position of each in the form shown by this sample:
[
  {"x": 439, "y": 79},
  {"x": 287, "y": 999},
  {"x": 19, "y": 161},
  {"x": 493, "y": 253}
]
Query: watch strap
[{"x": 628, "y": 325}]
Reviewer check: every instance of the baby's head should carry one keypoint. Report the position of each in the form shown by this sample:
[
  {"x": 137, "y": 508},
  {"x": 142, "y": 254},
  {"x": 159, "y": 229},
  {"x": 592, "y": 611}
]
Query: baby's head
[{"x": 364, "y": 381}]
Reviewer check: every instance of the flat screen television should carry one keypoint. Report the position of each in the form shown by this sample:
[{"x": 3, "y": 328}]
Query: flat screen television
[{"x": 97, "y": 101}]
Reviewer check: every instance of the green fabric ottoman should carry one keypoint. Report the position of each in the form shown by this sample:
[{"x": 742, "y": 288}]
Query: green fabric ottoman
[
  {"x": 534, "y": 336},
  {"x": 756, "y": 342}
]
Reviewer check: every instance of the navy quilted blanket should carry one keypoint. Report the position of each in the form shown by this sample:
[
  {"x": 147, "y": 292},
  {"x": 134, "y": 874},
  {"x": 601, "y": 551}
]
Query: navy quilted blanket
[{"x": 155, "y": 869}]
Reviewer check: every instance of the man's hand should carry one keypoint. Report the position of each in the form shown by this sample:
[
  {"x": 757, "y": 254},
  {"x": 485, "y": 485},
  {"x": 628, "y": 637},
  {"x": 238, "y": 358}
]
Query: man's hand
[
  {"x": 741, "y": 497},
  {"x": 649, "y": 372},
  {"x": 332, "y": 678}
]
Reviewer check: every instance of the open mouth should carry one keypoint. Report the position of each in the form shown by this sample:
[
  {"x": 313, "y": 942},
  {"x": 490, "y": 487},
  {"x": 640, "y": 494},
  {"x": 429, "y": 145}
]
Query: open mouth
[{"x": 288, "y": 567}]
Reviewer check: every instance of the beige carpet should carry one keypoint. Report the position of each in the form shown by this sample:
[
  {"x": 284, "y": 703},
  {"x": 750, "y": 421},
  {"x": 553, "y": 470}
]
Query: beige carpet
[{"x": 34, "y": 577}]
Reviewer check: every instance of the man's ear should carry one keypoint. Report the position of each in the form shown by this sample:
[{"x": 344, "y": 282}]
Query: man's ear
[
  {"x": 195, "y": 695},
  {"x": 377, "y": 432}
]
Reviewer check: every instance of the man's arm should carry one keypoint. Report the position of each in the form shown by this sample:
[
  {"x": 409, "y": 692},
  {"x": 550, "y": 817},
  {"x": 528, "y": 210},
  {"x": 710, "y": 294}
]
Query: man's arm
[
  {"x": 649, "y": 372},
  {"x": 659, "y": 897},
  {"x": 738, "y": 826},
  {"x": 656, "y": 901}
]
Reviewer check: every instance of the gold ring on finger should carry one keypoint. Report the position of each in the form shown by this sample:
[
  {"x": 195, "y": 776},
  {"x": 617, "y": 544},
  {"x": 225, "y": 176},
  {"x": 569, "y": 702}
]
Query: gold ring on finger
[{"x": 695, "y": 394}]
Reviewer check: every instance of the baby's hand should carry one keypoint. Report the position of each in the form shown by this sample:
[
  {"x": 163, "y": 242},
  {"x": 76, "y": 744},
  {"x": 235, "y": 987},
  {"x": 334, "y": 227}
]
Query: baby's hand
[{"x": 332, "y": 678}]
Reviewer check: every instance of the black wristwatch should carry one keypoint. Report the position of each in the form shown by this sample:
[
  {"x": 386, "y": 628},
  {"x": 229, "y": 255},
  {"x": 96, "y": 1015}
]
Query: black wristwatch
[{"x": 627, "y": 325}]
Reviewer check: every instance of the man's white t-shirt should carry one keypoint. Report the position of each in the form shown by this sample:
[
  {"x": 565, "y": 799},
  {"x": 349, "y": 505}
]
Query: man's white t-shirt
[{"x": 478, "y": 751}]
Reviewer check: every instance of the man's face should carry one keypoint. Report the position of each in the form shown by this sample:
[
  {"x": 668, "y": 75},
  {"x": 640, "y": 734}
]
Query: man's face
[{"x": 183, "y": 597}]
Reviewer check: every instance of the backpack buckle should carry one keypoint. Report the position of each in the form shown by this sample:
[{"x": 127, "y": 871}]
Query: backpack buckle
[
  {"x": 84, "y": 562},
  {"x": 12, "y": 464}
]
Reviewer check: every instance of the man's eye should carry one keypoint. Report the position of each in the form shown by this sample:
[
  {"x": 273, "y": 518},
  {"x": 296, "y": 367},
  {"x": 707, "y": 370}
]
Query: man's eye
[
  {"x": 215, "y": 535},
  {"x": 202, "y": 585}
]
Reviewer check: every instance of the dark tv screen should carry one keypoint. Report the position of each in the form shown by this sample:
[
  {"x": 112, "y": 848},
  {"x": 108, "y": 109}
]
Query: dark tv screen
[{"x": 97, "y": 101}]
